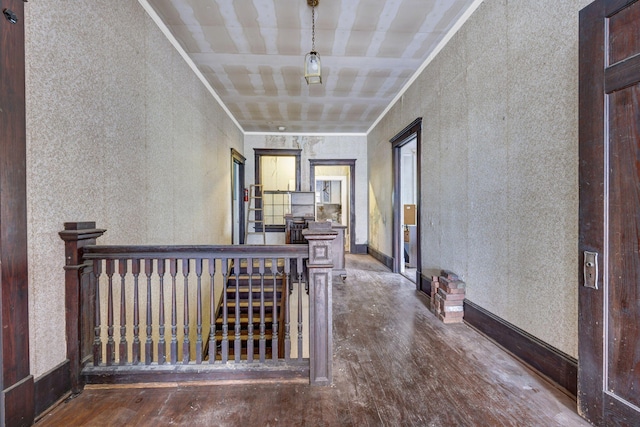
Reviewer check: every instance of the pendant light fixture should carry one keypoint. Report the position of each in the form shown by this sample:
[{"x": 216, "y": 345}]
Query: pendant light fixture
[{"x": 312, "y": 66}]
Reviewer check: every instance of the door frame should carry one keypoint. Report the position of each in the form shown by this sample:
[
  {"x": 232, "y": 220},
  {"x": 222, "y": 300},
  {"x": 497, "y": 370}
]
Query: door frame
[
  {"x": 20, "y": 398},
  {"x": 237, "y": 159},
  {"x": 397, "y": 142},
  {"x": 352, "y": 190}
]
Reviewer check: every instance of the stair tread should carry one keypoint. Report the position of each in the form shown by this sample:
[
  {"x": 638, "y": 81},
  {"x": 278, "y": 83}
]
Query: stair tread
[
  {"x": 244, "y": 318},
  {"x": 231, "y": 336},
  {"x": 245, "y": 304}
]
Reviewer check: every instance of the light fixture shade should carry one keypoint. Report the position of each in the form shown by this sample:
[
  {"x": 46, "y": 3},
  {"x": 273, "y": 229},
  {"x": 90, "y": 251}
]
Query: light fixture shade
[{"x": 312, "y": 68}]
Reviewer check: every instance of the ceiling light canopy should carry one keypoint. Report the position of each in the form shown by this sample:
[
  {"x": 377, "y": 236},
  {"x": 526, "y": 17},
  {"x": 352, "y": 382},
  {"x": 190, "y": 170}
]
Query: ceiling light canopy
[{"x": 312, "y": 64}]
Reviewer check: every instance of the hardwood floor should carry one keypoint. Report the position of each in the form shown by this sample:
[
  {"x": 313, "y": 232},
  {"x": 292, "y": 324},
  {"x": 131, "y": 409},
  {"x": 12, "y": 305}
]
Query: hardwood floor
[{"x": 394, "y": 364}]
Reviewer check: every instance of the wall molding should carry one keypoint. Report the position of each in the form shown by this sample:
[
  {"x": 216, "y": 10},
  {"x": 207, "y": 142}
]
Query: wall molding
[
  {"x": 51, "y": 387},
  {"x": 359, "y": 249},
  {"x": 556, "y": 366},
  {"x": 424, "y": 285},
  {"x": 386, "y": 260}
]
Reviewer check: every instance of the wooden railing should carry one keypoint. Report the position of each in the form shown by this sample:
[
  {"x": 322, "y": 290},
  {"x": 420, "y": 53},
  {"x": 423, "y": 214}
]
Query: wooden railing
[{"x": 176, "y": 313}]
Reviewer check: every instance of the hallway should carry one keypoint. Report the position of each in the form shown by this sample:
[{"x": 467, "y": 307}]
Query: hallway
[{"x": 394, "y": 365}]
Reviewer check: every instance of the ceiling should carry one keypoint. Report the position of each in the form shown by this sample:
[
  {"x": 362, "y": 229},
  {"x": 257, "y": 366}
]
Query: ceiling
[{"x": 252, "y": 51}]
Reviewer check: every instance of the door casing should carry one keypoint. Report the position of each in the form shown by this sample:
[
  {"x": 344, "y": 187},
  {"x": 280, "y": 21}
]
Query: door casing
[{"x": 401, "y": 138}]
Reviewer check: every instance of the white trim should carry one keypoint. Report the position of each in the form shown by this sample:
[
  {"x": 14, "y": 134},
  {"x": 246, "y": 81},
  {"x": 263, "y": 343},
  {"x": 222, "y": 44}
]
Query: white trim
[
  {"x": 303, "y": 134},
  {"x": 456, "y": 27},
  {"x": 165, "y": 30}
]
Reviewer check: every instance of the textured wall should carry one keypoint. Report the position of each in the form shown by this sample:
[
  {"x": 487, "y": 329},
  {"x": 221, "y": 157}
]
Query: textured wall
[
  {"x": 119, "y": 131},
  {"x": 318, "y": 147},
  {"x": 499, "y": 163}
]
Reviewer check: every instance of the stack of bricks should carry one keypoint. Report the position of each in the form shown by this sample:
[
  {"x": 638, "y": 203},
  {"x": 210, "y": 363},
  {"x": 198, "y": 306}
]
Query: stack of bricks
[{"x": 447, "y": 297}]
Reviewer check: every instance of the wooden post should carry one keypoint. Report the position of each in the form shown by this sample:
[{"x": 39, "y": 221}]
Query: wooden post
[
  {"x": 320, "y": 237},
  {"x": 79, "y": 307}
]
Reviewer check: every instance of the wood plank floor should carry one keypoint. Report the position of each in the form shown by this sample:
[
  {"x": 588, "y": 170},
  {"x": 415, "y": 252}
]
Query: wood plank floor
[{"x": 394, "y": 365}]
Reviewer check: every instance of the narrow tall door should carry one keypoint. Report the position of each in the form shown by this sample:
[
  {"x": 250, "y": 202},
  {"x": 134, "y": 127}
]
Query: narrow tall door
[{"x": 609, "y": 295}]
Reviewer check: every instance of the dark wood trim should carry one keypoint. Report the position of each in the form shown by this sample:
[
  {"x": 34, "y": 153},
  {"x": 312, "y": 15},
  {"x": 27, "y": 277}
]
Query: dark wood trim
[
  {"x": 235, "y": 155},
  {"x": 424, "y": 285},
  {"x": 16, "y": 382},
  {"x": 292, "y": 370},
  {"x": 352, "y": 190},
  {"x": 360, "y": 249},
  {"x": 91, "y": 252},
  {"x": 407, "y": 131},
  {"x": 238, "y": 159},
  {"x": 258, "y": 153},
  {"x": 414, "y": 129},
  {"x": 19, "y": 403},
  {"x": 51, "y": 387},
  {"x": 79, "y": 296},
  {"x": 548, "y": 361},
  {"x": 384, "y": 259},
  {"x": 591, "y": 112},
  {"x": 617, "y": 76}
]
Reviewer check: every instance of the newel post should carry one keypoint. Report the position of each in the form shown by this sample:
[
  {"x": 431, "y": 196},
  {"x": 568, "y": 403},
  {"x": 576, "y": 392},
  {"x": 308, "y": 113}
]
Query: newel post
[
  {"x": 320, "y": 237},
  {"x": 78, "y": 303}
]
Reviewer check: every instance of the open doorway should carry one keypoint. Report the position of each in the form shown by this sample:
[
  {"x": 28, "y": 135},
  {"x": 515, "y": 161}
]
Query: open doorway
[
  {"x": 406, "y": 201},
  {"x": 333, "y": 183},
  {"x": 237, "y": 198}
]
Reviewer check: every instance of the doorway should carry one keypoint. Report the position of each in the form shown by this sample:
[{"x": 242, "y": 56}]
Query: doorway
[
  {"x": 406, "y": 201},
  {"x": 237, "y": 197},
  {"x": 333, "y": 182}
]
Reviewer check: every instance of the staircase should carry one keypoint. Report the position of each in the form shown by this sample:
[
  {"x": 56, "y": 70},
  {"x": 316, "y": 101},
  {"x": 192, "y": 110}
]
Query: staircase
[{"x": 251, "y": 314}]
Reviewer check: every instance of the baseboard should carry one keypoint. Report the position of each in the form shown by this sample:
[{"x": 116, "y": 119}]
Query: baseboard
[
  {"x": 386, "y": 260},
  {"x": 424, "y": 285},
  {"x": 359, "y": 249},
  {"x": 16, "y": 408},
  {"x": 51, "y": 387},
  {"x": 550, "y": 362}
]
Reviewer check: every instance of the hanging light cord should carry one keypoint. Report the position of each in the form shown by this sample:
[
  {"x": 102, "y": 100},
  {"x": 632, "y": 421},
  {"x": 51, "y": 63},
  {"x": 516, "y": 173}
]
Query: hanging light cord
[{"x": 313, "y": 27}]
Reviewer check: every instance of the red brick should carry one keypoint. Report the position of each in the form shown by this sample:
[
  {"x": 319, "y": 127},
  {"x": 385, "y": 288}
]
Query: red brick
[
  {"x": 451, "y": 297},
  {"x": 450, "y": 275},
  {"x": 452, "y": 290}
]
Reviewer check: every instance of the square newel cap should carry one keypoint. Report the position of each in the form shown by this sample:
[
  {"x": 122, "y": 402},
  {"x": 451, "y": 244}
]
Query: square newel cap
[
  {"x": 319, "y": 230},
  {"x": 80, "y": 231}
]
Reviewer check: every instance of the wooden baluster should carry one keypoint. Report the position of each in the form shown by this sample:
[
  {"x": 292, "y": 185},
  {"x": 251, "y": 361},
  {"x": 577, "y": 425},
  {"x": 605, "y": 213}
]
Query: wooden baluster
[
  {"x": 162, "y": 346},
  {"x": 97, "y": 341},
  {"x": 213, "y": 345},
  {"x": 173, "y": 271},
  {"x": 111, "y": 344},
  {"x": 135, "y": 346},
  {"x": 287, "y": 310},
  {"x": 198, "y": 262},
  {"x": 300, "y": 266},
  {"x": 262, "y": 342},
  {"x": 250, "y": 313},
  {"x": 122, "y": 353},
  {"x": 237, "y": 350},
  {"x": 186, "y": 344},
  {"x": 148, "y": 345},
  {"x": 225, "y": 312},
  {"x": 274, "y": 328}
]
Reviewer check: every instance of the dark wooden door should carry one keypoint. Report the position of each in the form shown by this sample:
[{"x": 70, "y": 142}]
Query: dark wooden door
[{"x": 609, "y": 310}]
